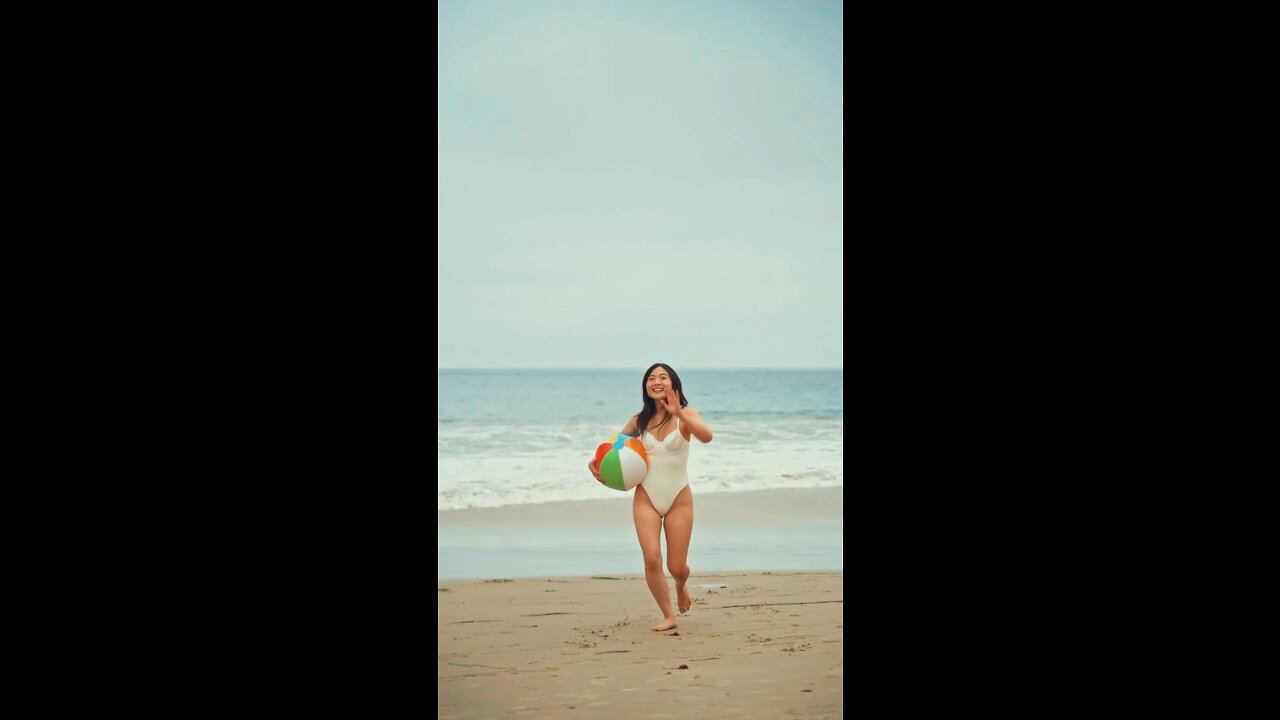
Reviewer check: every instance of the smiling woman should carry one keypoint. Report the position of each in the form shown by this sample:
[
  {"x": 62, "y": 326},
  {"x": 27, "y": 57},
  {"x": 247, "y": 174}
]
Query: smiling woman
[{"x": 664, "y": 501}]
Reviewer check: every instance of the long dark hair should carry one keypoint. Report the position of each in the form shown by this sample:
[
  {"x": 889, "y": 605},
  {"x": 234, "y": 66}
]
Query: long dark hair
[{"x": 651, "y": 407}]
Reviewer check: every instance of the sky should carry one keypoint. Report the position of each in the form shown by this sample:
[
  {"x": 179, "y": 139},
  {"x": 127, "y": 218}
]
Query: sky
[{"x": 621, "y": 182}]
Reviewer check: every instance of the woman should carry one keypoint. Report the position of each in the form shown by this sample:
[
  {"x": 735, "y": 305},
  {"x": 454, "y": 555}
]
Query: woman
[{"x": 665, "y": 424}]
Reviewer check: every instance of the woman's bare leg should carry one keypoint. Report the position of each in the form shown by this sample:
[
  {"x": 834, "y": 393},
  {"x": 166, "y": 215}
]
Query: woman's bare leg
[
  {"x": 649, "y": 530},
  {"x": 679, "y": 526}
]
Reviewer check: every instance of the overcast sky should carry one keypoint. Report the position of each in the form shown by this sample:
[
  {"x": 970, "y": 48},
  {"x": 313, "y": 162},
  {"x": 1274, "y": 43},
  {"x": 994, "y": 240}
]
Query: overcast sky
[{"x": 629, "y": 182}]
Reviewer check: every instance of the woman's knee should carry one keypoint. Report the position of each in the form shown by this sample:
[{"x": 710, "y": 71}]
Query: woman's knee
[
  {"x": 677, "y": 569},
  {"x": 653, "y": 564}
]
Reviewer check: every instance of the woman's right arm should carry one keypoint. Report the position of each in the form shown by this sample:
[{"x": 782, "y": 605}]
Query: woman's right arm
[{"x": 630, "y": 428}]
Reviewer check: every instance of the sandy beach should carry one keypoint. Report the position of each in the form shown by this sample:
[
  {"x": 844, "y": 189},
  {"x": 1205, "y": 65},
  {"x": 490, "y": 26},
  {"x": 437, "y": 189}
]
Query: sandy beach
[{"x": 754, "y": 645}]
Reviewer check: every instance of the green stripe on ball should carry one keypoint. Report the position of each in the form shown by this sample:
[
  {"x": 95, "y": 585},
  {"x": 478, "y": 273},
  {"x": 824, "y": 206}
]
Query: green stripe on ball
[{"x": 611, "y": 469}]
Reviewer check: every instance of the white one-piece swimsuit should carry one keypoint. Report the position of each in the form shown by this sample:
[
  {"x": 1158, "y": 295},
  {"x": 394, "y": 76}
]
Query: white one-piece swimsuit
[{"x": 668, "y": 468}]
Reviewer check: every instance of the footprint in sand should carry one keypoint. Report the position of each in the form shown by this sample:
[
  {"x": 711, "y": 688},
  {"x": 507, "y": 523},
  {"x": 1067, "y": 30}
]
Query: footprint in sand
[{"x": 794, "y": 648}]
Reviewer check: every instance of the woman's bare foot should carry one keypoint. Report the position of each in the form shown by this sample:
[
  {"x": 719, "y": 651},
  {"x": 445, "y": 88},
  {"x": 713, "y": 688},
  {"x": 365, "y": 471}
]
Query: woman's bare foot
[
  {"x": 666, "y": 624},
  {"x": 683, "y": 598}
]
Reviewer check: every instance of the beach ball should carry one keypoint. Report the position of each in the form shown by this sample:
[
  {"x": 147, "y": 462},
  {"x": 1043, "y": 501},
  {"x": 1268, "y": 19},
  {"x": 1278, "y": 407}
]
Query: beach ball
[{"x": 622, "y": 462}]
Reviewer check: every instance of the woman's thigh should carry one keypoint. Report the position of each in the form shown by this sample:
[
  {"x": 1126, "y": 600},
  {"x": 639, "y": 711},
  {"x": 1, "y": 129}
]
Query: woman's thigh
[
  {"x": 648, "y": 525},
  {"x": 679, "y": 526}
]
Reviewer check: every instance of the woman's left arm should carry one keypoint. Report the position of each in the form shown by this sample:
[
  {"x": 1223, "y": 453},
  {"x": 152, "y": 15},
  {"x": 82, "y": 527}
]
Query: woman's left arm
[
  {"x": 688, "y": 416},
  {"x": 692, "y": 420}
]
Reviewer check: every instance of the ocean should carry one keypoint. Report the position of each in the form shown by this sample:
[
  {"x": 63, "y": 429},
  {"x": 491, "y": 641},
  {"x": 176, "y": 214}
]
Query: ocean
[{"x": 518, "y": 437}]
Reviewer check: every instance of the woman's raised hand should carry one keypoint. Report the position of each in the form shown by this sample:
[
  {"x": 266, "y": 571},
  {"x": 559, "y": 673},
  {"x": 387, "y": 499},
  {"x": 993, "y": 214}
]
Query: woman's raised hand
[{"x": 671, "y": 402}]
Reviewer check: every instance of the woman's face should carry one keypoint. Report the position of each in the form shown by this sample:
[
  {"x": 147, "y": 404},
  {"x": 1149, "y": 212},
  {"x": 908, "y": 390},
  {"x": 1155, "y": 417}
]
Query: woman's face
[{"x": 657, "y": 383}]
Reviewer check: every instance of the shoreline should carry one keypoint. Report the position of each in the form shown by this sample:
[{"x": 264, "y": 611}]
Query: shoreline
[{"x": 797, "y": 529}]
